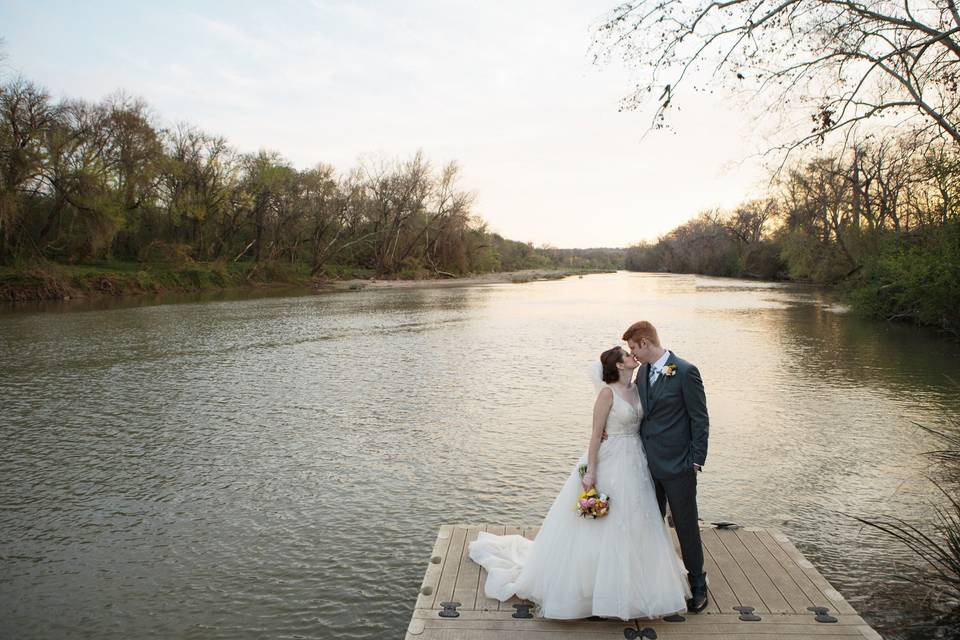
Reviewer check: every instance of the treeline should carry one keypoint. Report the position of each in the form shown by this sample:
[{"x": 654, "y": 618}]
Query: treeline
[
  {"x": 83, "y": 182},
  {"x": 882, "y": 219},
  {"x": 606, "y": 259},
  {"x": 721, "y": 243},
  {"x": 517, "y": 255}
]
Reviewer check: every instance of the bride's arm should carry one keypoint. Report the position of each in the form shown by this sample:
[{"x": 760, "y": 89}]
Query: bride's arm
[{"x": 601, "y": 408}]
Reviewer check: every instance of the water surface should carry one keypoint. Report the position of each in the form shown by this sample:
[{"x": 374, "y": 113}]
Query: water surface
[{"x": 278, "y": 467}]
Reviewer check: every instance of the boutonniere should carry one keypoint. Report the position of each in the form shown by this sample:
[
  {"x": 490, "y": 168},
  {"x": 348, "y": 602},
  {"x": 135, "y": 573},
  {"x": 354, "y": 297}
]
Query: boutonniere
[{"x": 669, "y": 370}]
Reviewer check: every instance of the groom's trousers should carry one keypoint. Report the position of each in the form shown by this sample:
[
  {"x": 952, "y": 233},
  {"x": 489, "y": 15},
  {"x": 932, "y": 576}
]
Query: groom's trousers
[{"x": 681, "y": 494}]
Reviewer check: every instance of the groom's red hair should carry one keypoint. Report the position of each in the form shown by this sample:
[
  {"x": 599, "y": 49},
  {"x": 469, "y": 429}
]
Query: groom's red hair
[{"x": 642, "y": 329}]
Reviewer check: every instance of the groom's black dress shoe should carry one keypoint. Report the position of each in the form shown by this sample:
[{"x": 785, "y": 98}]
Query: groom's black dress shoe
[
  {"x": 698, "y": 602},
  {"x": 698, "y": 593}
]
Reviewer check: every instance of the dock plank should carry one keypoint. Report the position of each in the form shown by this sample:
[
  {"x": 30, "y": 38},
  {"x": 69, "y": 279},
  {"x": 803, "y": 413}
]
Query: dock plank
[
  {"x": 709, "y": 566},
  {"x": 809, "y": 589},
  {"x": 743, "y": 590},
  {"x": 722, "y": 597},
  {"x": 468, "y": 575},
  {"x": 835, "y": 600},
  {"x": 773, "y": 600},
  {"x": 451, "y": 567},
  {"x": 431, "y": 577},
  {"x": 793, "y": 592}
]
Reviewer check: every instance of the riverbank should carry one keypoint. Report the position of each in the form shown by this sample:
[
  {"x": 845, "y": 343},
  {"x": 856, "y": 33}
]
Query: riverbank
[
  {"x": 40, "y": 281},
  {"x": 52, "y": 281},
  {"x": 926, "y": 298},
  {"x": 516, "y": 277}
]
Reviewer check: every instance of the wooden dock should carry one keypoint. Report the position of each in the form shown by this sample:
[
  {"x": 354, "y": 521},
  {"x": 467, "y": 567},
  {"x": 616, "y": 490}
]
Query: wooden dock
[{"x": 761, "y": 588}]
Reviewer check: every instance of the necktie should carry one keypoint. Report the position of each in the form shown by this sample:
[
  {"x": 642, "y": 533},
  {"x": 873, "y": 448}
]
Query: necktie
[{"x": 653, "y": 375}]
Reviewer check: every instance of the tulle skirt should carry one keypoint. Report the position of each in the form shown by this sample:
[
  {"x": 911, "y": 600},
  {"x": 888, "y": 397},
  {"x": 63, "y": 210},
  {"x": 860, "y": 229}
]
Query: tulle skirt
[{"x": 621, "y": 566}]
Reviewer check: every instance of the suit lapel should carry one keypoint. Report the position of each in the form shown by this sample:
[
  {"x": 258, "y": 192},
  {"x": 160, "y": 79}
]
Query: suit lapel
[{"x": 643, "y": 386}]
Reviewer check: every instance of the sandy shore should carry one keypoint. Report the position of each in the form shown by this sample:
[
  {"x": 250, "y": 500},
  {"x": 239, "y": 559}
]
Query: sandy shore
[{"x": 517, "y": 277}]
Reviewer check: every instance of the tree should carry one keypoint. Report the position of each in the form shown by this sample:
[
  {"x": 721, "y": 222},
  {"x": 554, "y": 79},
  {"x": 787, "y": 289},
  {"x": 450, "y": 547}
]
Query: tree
[
  {"x": 196, "y": 184},
  {"x": 396, "y": 194},
  {"x": 267, "y": 178},
  {"x": 324, "y": 210},
  {"x": 448, "y": 208},
  {"x": 26, "y": 119},
  {"x": 843, "y": 61}
]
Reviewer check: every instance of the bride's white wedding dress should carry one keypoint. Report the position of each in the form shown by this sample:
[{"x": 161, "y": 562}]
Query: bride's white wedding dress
[{"x": 620, "y": 566}]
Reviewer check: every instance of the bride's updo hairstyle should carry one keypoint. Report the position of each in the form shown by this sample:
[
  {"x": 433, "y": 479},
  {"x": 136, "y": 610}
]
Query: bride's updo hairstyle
[{"x": 610, "y": 359}]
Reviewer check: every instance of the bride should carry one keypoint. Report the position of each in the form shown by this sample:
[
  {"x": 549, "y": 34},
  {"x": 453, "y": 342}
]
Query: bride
[{"x": 622, "y": 565}]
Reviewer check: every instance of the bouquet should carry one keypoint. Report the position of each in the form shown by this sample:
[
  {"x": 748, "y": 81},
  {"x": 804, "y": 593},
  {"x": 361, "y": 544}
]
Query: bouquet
[{"x": 592, "y": 504}]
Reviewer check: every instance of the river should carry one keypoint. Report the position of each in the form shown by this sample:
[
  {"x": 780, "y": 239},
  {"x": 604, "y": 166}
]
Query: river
[{"x": 279, "y": 466}]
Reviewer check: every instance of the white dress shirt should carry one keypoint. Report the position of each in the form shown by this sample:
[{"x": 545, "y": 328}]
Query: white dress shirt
[{"x": 657, "y": 367}]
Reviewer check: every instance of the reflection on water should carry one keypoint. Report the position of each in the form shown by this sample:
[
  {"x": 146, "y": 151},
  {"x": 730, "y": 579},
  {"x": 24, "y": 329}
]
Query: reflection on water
[{"x": 279, "y": 466}]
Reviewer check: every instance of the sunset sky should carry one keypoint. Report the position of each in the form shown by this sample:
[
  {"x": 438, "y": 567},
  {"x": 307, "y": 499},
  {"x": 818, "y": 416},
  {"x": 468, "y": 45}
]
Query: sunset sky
[{"x": 508, "y": 90}]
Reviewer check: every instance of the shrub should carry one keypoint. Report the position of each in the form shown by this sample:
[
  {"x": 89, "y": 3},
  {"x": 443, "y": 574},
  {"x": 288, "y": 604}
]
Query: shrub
[
  {"x": 915, "y": 278},
  {"x": 165, "y": 252}
]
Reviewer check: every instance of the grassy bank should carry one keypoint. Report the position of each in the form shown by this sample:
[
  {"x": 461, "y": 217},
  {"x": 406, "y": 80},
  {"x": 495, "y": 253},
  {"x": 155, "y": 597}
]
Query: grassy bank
[{"x": 53, "y": 281}]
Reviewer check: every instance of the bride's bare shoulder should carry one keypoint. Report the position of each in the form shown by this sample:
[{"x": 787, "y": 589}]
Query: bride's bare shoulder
[{"x": 605, "y": 395}]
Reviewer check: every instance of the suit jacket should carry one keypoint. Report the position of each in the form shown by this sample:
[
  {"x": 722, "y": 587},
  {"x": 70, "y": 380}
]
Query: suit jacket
[{"x": 675, "y": 424}]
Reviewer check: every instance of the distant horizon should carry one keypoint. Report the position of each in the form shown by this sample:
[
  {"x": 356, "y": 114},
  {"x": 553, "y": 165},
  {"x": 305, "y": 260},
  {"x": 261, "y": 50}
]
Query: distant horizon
[{"x": 533, "y": 123}]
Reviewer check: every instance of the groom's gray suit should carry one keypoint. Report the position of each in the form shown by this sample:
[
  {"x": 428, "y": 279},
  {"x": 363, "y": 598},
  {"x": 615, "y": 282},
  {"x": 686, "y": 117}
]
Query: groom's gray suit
[{"x": 674, "y": 429}]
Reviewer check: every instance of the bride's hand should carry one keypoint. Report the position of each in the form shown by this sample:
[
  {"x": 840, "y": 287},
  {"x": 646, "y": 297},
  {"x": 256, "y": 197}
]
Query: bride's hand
[{"x": 588, "y": 481}]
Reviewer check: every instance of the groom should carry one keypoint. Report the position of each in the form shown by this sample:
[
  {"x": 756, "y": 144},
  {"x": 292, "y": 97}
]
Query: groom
[{"x": 674, "y": 429}]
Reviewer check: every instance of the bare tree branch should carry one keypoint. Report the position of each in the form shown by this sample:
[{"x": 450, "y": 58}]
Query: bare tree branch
[{"x": 846, "y": 61}]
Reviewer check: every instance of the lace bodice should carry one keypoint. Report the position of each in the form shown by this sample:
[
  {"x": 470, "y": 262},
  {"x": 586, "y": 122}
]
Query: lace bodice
[{"x": 624, "y": 417}]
